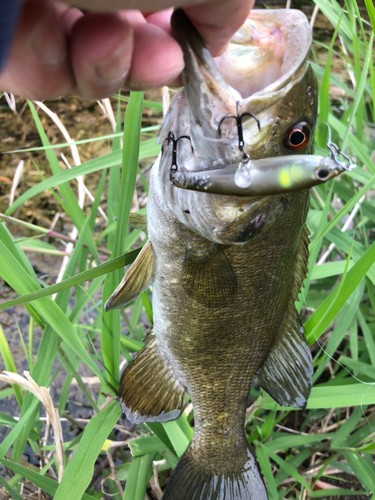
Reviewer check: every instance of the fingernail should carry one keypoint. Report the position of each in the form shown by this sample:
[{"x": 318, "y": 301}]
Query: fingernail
[
  {"x": 115, "y": 68},
  {"x": 48, "y": 41}
]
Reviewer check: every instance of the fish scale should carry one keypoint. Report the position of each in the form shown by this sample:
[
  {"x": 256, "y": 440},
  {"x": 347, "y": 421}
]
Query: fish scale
[{"x": 227, "y": 264}]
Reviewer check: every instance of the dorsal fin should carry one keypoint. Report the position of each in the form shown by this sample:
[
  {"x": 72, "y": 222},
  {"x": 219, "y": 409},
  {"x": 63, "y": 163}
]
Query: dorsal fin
[
  {"x": 287, "y": 372},
  {"x": 138, "y": 277}
]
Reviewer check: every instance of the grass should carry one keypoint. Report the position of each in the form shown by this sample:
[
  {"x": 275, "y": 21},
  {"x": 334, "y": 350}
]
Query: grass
[{"x": 299, "y": 452}]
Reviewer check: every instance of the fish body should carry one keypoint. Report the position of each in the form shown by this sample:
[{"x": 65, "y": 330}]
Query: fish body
[{"x": 226, "y": 269}]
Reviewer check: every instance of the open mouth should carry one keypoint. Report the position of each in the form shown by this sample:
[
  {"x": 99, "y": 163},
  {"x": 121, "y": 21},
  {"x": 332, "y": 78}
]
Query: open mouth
[{"x": 265, "y": 52}]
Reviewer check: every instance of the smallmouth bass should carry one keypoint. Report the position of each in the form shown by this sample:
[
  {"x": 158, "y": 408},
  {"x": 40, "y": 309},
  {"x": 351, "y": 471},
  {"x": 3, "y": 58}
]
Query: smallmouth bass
[{"x": 227, "y": 255}]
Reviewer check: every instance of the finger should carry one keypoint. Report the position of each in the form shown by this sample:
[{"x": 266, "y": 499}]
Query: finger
[
  {"x": 161, "y": 19},
  {"x": 101, "y": 53},
  {"x": 157, "y": 58},
  {"x": 38, "y": 66},
  {"x": 133, "y": 17},
  {"x": 217, "y": 21},
  {"x": 143, "y": 5}
]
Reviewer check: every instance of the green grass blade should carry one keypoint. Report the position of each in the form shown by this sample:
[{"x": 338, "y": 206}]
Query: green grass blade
[
  {"x": 10, "y": 490},
  {"x": 368, "y": 336},
  {"x": 324, "y": 105},
  {"x": 14, "y": 274},
  {"x": 146, "y": 444},
  {"x": 177, "y": 437},
  {"x": 78, "y": 473},
  {"x": 15, "y": 432},
  {"x": 347, "y": 427},
  {"x": 138, "y": 477},
  {"x": 78, "y": 279},
  {"x": 359, "y": 91},
  {"x": 346, "y": 208},
  {"x": 45, "y": 483},
  {"x": 73, "y": 209},
  {"x": 266, "y": 469},
  {"x": 335, "y": 492},
  {"x": 147, "y": 149},
  {"x": 111, "y": 325},
  {"x": 286, "y": 466},
  {"x": 371, "y": 12},
  {"x": 328, "y": 310},
  {"x": 333, "y": 396},
  {"x": 9, "y": 364},
  {"x": 362, "y": 470}
]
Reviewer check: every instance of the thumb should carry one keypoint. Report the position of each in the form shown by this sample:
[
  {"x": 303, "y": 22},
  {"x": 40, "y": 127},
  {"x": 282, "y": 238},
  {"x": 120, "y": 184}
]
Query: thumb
[{"x": 218, "y": 20}]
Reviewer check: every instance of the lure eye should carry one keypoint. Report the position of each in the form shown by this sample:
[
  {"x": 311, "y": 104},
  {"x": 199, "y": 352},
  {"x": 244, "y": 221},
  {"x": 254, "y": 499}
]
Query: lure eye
[{"x": 297, "y": 136}]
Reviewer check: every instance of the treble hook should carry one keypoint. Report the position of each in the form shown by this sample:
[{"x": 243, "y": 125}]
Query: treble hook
[
  {"x": 171, "y": 138},
  {"x": 239, "y": 118},
  {"x": 336, "y": 152}
]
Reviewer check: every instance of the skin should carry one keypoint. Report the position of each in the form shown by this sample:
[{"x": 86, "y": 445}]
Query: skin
[
  {"x": 216, "y": 359},
  {"x": 58, "y": 49},
  {"x": 213, "y": 336}
]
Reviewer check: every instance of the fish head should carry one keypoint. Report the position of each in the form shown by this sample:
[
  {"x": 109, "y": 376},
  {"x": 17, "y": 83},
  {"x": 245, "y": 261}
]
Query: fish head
[{"x": 257, "y": 100}]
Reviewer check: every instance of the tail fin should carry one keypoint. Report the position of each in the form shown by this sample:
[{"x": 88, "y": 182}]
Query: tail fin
[{"x": 192, "y": 481}]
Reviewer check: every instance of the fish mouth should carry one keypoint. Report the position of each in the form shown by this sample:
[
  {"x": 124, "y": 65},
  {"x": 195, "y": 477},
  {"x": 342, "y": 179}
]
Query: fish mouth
[
  {"x": 263, "y": 56},
  {"x": 262, "y": 62}
]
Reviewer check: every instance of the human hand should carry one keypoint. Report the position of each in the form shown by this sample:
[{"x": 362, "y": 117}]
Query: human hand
[{"x": 58, "y": 49}]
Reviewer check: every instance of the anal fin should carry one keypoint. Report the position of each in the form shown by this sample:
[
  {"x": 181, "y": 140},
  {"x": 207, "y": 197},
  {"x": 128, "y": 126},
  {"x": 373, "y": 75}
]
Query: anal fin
[
  {"x": 138, "y": 277},
  {"x": 149, "y": 391},
  {"x": 208, "y": 276}
]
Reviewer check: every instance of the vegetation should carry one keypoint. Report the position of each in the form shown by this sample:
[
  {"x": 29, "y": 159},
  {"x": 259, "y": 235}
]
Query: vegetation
[{"x": 325, "y": 450}]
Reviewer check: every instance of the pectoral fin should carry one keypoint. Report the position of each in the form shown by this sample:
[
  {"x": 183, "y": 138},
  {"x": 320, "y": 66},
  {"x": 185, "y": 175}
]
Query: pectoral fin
[
  {"x": 149, "y": 391},
  {"x": 138, "y": 221},
  {"x": 208, "y": 276},
  {"x": 287, "y": 372},
  {"x": 138, "y": 277}
]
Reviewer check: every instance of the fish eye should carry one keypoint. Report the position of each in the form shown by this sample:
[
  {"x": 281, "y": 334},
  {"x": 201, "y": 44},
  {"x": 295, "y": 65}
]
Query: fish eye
[{"x": 297, "y": 137}]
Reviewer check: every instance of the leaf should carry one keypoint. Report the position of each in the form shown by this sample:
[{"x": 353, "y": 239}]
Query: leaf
[
  {"x": 335, "y": 492},
  {"x": 146, "y": 444},
  {"x": 9, "y": 364},
  {"x": 10, "y": 490},
  {"x": 45, "y": 483},
  {"x": 90, "y": 274},
  {"x": 347, "y": 427},
  {"x": 147, "y": 148},
  {"x": 14, "y": 274},
  {"x": 80, "y": 468},
  {"x": 266, "y": 469},
  {"x": 111, "y": 325},
  {"x": 361, "y": 470},
  {"x": 177, "y": 437},
  {"x": 286, "y": 466},
  {"x": 328, "y": 310},
  {"x": 139, "y": 475},
  {"x": 333, "y": 396}
]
